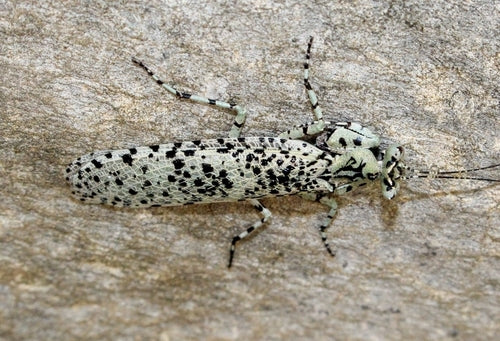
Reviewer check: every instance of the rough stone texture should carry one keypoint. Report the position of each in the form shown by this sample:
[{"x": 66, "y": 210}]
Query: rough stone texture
[{"x": 424, "y": 266}]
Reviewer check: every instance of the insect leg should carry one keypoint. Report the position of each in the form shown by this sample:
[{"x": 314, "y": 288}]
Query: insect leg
[
  {"x": 239, "y": 120},
  {"x": 332, "y": 204},
  {"x": 318, "y": 114},
  {"x": 318, "y": 125},
  {"x": 266, "y": 214}
]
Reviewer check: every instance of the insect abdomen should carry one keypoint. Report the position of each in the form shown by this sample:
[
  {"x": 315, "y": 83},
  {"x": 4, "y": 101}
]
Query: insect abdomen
[{"x": 203, "y": 171}]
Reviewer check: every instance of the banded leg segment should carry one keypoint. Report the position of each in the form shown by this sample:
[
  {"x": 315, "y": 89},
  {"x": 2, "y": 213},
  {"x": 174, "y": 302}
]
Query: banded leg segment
[
  {"x": 318, "y": 114},
  {"x": 319, "y": 124},
  {"x": 239, "y": 120},
  {"x": 332, "y": 204},
  {"x": 266, "y": 214}
]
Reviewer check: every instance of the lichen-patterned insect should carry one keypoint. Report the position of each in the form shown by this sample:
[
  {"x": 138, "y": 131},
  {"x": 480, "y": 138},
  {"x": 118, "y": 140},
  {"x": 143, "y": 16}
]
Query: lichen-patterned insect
[{"x": 339, "y": 158}]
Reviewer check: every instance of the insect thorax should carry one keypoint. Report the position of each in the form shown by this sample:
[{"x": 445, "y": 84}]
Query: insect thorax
[
  {"x": 357, "y": 149},
  {"x": 341, "y": 137}
]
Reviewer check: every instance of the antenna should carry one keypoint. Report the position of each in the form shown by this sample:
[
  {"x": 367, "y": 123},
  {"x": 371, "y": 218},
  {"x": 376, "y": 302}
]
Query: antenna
[{"x": 458, "y": 174}]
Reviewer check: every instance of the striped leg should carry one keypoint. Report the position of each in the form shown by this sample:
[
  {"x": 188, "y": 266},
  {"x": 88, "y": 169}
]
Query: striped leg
[
  {"x": 318, "y": 125},
  {"x": 332, "y": 204},
  {"x": 239, "y": 120},
  {"x": 318, "y": 114},
  {"x": 266, "y": 214}
]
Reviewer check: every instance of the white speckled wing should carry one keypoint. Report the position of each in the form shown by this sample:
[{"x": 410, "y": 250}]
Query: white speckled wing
[{"x": 205, "y": 171}]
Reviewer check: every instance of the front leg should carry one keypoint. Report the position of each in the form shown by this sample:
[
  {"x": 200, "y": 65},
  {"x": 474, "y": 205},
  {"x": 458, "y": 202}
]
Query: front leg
[
  {"x": 319, "y": 125},
  {"x": 329, "y": 201},
  {"x": 313, "y": 99}
]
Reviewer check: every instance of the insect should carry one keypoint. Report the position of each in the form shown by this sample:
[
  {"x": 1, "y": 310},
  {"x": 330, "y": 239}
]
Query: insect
[{"x": 318, "y": 161}]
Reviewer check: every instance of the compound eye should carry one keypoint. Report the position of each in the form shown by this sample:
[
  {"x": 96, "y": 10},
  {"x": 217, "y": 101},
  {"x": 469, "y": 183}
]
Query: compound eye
[{"x": 392, "y": 168}]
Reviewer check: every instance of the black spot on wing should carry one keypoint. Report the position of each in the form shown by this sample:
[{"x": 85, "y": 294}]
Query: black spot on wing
[
  {"x": 127, "y": 158},
  {"x": 207, "y": 168},
  {"x": 178, "y": 163},
  {"x": 96, "y": 163}
]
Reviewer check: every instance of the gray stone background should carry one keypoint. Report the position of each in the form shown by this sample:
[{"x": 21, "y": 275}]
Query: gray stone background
[{"x": 423, "y": 266}]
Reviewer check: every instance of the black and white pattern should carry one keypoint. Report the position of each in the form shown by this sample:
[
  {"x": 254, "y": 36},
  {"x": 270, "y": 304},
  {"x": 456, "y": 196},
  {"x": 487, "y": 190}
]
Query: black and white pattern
[{"x": 338, "y": 158}]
